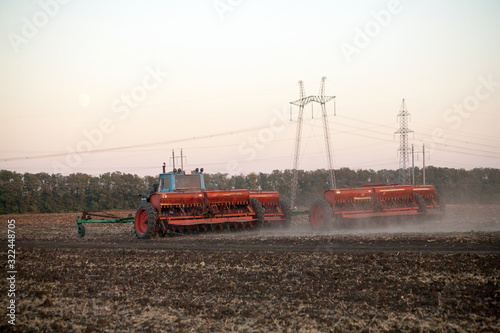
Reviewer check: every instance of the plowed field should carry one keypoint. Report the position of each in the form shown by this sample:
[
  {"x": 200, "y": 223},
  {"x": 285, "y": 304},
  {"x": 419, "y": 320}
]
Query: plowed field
[{"x": 439, "y": 275}]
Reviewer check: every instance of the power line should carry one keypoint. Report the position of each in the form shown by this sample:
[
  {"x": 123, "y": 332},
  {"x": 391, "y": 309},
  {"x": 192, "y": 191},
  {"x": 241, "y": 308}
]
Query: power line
[
  {"x": 104, "y": 150},
  {"x": 443, "y": 144},
  {"x": 460, "y": 133},
  {"x": 471, "y": 154}
]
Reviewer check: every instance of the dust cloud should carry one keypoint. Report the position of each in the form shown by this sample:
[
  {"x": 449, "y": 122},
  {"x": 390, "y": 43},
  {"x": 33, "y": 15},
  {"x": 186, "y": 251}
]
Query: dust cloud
[{"x": 457, "y": 218}]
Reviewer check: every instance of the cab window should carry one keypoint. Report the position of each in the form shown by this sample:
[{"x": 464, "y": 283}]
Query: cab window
[
  {"x": 187, "y": 182},
  {"x": 165, "y": 181}
]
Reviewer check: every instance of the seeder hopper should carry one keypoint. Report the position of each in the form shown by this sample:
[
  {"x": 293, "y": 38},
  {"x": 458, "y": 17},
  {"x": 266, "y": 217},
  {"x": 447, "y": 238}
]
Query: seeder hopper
[{"x": 341, "y": 207}]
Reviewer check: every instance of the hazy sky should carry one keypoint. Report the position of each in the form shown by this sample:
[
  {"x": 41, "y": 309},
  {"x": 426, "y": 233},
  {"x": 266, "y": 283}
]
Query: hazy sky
[{"x": 98, "y": 86}]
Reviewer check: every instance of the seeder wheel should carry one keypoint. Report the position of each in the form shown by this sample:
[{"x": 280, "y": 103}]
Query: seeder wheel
[
  {"x": 288, "y": 213},
  {"x": 321, "y": 215},
  {"x": 259, "y": 212},
  {"x": 441, "y": 203},
  {"x": 81, "y": 230},
  {"x": 422, "y": 207}
]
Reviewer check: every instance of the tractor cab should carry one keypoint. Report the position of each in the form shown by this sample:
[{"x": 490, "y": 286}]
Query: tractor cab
[{"x": 180, "y": 180}]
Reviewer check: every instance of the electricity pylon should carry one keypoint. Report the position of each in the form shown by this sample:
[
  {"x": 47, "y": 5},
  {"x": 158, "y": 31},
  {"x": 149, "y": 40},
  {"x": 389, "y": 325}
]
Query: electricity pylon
[
  {"x": 301, "y": 103},
  {"x": 404, "y": 150}
]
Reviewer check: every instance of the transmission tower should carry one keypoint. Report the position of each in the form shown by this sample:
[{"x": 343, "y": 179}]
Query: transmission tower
[
  {"x": 301, "y": 103},
  {"x": 404, "y": 150}
]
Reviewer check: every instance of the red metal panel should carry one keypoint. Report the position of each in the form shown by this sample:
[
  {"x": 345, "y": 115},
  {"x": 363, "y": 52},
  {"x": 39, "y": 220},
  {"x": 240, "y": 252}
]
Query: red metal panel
[
  {"x": 265, "y": 196},
  {"x": 425, "y": 190},
  {"x": 196, "y": 221},
  {"x": 181, "y": 198},
  {"x": 392, "y": 192},
  {"x": 227, "y": 196},
  {"x": 348, "y": 195},
  {"x": 155, "y": 200}
]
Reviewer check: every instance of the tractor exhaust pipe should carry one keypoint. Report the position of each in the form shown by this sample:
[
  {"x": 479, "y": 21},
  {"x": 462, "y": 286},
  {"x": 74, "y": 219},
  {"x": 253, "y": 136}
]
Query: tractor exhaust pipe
[
  {"x": 164, "y": 167},
  {"x": 173, "y": 159}
]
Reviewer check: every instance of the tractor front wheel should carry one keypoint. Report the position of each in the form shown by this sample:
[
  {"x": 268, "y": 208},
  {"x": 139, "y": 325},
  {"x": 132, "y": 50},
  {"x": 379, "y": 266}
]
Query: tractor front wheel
[
  {"x": 145, "y": 221},
  {"x": 321, "y": 215}
]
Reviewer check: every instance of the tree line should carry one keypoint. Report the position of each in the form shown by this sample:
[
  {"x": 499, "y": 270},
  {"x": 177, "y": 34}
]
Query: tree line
[{"x": 51, "y": 193}]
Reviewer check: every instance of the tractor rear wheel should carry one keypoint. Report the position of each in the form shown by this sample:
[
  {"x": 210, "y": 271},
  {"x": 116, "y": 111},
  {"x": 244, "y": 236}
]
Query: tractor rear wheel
[
  {"x": 145, "y": 221},
  {"x": 321, "y": 215},
  {"x": 259, "y": 212}
]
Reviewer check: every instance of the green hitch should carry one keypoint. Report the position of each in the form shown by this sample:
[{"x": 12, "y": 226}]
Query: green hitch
[{"x": 104, "y": 218}]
